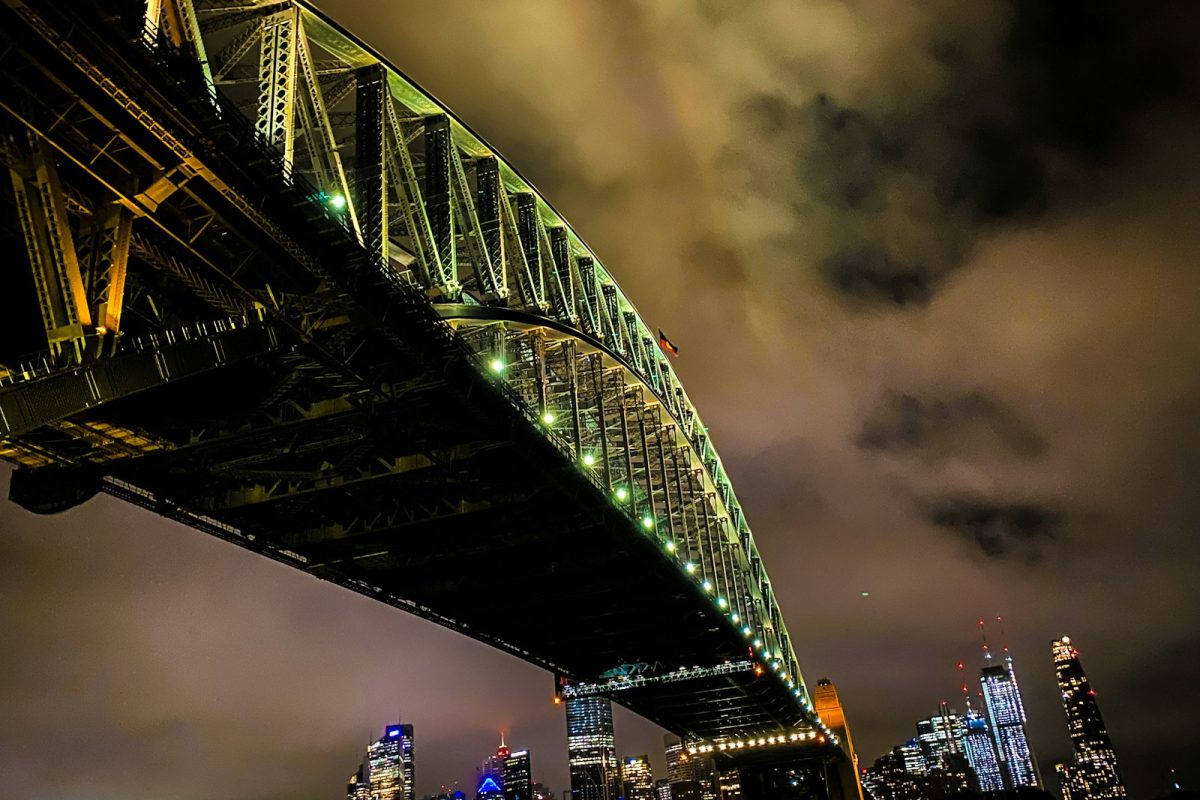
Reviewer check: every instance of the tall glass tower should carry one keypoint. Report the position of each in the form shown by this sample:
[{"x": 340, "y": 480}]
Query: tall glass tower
[
  {"x": 404, "y": 733},
  {"x": 980, "y": 752},
  {"x": 591, "y": 749},
  {"x": 1095, "y": 774},
  {"x": 518, "y": 778},
  {"x": 1004, "y": 707},
  {"x": 385, "y": 766}
]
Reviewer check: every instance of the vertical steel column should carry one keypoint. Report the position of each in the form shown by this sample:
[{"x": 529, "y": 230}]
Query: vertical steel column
[
  {"x": 564, "y": 297},
  {"x": 276, "y": 120},
  {"x": 613, "y": 334},
  {"x": 487, "y": 206},
  {"x": 41, "y": 209},
  {"x": 104, "y": 250},
  {"x": 437, "y": 189},
  {"x": 527, "y": 225},
  {"x": 621, "y": 402},
  {"x": 666, "y": 484},
  {"x": 587, "y": 281},
  {"x": 370, "y": 174},
  {"x": 683, "y": 503},
  {"x": 646, "y": 458},
  {"x": 540, "y": 369},
  {"x": 598, "y": 381},
  {"x": 488, "y": 278},
  {"x": 569, "y": 356}
]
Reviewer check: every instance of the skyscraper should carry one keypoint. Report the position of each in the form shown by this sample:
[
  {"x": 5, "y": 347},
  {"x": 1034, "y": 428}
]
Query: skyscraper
[
  {"x": 1095, "y": 773},
  {"x": 939, "y": 736},
  {"x": 692, "y": 777},
  {"x": 493, "y": 765},
  {"x": 518, "y": 780},
  {"x": 981, "y": 752},
  {"x": 591, "y": 749},
  {"x": 385, "y": 766},
  {"x": 636, "y": 779},
  {"x": 1006, "y": 712},
  {"x": 404, "y": 733}
]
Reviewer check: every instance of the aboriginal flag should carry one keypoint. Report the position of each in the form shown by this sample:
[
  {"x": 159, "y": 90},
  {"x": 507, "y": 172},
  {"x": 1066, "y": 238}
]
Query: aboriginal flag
[{"x": 667, "y": 344}]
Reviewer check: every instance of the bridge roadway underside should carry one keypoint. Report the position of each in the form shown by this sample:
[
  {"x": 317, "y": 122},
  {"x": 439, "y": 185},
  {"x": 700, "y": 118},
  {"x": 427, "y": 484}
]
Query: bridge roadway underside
[
  {"x": 476, "y": 521},
  {"x": 371, "y": 451}
]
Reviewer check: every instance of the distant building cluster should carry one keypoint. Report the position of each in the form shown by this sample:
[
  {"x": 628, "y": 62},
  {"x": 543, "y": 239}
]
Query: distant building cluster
[
  {"x": 597, "y": 773},
  {"x": 990, "y": 752}
]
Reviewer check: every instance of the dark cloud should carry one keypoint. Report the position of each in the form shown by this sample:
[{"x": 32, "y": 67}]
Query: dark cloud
[
  {"x": 972, "y": 423},
  {"x": 871, "y": 274},
  {"x": 1023, "y": 111},
  {"x": 999, "y": 529}
]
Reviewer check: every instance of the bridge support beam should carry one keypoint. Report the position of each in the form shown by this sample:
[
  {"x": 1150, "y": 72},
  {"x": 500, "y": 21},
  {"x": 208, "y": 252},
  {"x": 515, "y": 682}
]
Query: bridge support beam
[{"x": 33, "y": 400}]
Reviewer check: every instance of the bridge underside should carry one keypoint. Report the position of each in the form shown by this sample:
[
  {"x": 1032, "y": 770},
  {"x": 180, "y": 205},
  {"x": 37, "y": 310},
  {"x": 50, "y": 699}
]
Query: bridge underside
[
  {"x": 330, "y": 419},
  {"x": 424, "y": 502}
]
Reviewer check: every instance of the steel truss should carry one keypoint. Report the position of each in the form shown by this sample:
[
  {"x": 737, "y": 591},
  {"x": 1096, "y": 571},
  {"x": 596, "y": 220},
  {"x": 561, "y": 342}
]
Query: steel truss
[
  {"x": 639, "y": 681},
  {"x": 433, "y": 206}
]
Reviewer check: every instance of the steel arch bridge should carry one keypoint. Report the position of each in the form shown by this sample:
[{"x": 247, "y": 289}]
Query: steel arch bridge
[{"x": 287, "y": 298}]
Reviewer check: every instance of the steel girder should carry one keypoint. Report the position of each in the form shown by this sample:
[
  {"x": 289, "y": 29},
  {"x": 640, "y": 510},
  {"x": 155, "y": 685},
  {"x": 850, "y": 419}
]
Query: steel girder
[{"x": 602, "y": 416}]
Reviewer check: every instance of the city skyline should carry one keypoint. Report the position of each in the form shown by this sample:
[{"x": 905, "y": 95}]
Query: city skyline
[{"x": 930, "y": 276}]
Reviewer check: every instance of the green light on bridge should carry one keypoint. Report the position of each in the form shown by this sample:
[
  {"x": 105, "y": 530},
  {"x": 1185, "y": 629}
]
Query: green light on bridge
[
  {"x": 736, "y": 618},
  {"x": 647, "y": 522},
  {"x": 670, "y": 547},
  {"x": 337, "y": 201},
  {"x": 708, "y": 587},
  {"x": 589, "y": 460},
  {"x": 497, "y": 366},
  {"x": 548, "y": 418},
  {"x": 622, "y": 494},
  {"x": 690, "y": 567},
  {"x": 722, "y": 602},
  {"x": 746, "y": 631}
]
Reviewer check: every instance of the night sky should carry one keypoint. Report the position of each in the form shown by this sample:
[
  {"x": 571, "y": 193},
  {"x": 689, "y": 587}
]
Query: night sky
[{"x": 933, "y": 269}]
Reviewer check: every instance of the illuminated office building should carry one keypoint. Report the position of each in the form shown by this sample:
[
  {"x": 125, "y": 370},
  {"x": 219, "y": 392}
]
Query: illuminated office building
[
  {"x": 636, "y": 779},
  {"x": 692, "y": 777},
  {"x": 729, "y": 784},
  {"x": 518, "y": 780},
  {"x": 1094, "y": 774},
  {"x": 489, "y": 789},
  {"x": 981, "y": 752},
  {"x": 358, "y": 788},
  {"x": 385, "y": 765},
  {"x": 493, "y": 765},
  {"x": 662, "y": 789},
  {"x": 591, "y": 750},
  {"x": 938, "y": 737},
  {"x": 1007, "y": 715},
  {"x": 911, "y": 757},
  {"x": 404, "y": 733}
]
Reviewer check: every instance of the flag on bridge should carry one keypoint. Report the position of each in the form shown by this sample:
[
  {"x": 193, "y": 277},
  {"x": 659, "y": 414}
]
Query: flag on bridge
[{"x": 667, "y": 344}]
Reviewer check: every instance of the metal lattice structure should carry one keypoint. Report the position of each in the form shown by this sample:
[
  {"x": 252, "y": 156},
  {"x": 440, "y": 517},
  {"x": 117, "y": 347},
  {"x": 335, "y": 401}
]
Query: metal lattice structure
[{"x": 278, "y": 209}]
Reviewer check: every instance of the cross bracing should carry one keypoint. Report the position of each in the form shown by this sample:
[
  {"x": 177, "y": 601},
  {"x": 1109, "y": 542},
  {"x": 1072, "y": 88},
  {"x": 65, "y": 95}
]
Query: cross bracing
[{"x": 252, "y": 161}]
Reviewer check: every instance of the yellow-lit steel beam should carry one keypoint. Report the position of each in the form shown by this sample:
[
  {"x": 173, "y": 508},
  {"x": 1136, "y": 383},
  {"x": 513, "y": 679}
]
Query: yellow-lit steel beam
[{"x": 42, "y": 210}]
